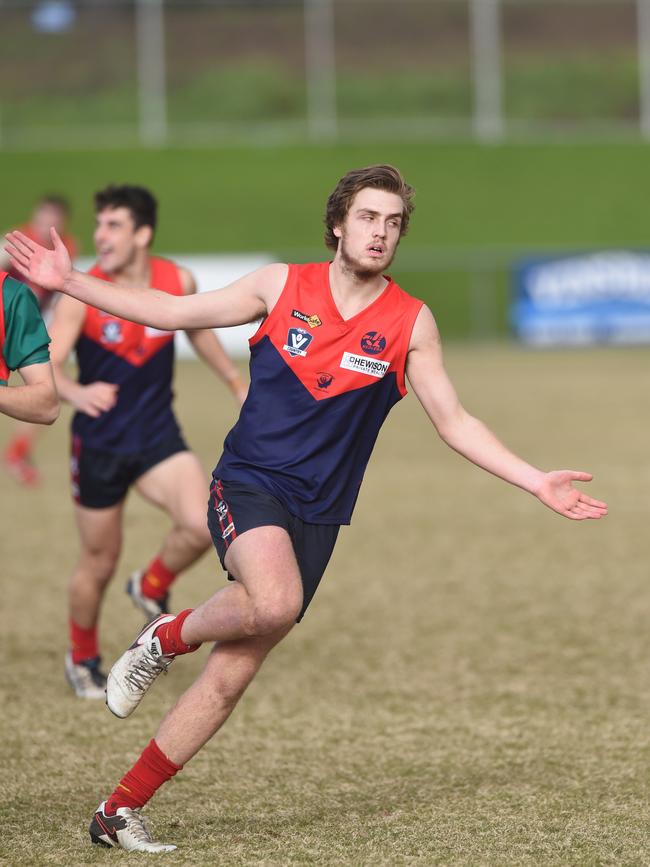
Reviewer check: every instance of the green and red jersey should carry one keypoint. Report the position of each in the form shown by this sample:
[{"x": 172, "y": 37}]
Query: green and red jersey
[{"x": 23, "y": 337}]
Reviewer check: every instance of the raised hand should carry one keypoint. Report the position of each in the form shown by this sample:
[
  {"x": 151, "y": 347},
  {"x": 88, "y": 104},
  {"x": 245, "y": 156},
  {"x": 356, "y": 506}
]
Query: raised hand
[
  {"x": 558, "y": 493},
  {"x": 46, "y": 268}
]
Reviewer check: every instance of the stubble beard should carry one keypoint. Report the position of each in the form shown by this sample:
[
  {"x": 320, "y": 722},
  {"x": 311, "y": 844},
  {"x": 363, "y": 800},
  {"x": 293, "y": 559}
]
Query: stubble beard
[{"x": 361, "y": 273}]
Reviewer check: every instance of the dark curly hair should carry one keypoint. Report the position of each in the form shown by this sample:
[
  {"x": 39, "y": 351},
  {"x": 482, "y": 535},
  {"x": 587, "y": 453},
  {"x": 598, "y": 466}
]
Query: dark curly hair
[
  {"x": 139, "y": 201},
  {"x": 381, "y": 177}
]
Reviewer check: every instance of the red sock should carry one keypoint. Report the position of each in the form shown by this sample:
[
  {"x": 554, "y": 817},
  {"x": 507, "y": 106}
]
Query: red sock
[
  {"x": 157, "y": 580},
  {"x": 152, "y": 769},
  {"x": 83, "y": 642},
  {"x": 19, "y": 447},
  {"x": 169, "y": 634}
]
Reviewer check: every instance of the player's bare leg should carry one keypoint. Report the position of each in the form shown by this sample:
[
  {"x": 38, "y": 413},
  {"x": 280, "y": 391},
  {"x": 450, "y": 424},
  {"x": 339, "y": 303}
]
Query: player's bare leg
[
  {"x": 179, "y": 487},
  {"x": 100, "y": 532},
  {"x": 206, "y": 705},
  {"x": 264, "y": 600},
  {"x": 265, "y": 597}
]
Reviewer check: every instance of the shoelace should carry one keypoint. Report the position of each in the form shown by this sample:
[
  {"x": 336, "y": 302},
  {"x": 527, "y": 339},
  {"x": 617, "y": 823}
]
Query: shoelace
[
  {"x": 146, "y": 670},
  {"x": 136, "y": 826}
]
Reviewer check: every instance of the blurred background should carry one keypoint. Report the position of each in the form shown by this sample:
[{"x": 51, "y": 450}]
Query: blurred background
[{"x": 522, "y": 124}]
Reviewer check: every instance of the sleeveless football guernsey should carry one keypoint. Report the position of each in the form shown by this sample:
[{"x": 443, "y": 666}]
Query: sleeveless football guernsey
[
  {"x": 140, "y": 360},
  {"x": 320, "y": 389},
  {"x": 23, "y": 337}
]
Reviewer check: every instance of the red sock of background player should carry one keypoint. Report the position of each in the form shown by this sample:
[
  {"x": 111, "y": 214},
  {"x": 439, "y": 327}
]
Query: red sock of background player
[
  {"x": 18, "y": 448},
  {"x": 83, "y": 642},
  {"x": 152, "y": 769},
  {"x": 157, "y": 579},
  {"x": 169, "y": 635}
]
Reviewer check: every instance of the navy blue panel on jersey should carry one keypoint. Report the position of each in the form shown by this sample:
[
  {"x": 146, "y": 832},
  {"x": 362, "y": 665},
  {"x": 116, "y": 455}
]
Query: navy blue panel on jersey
[
  {"x": 142, "y": 416},
  {"x": 311, "y": 454}
]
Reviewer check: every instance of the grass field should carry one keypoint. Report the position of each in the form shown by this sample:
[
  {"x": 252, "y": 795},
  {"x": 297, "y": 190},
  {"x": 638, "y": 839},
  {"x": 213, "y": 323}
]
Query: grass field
[{"x": 471, "y": 685}]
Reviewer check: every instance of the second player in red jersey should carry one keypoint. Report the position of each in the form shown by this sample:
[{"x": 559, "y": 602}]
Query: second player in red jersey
[{"x": 124, "y": 432}]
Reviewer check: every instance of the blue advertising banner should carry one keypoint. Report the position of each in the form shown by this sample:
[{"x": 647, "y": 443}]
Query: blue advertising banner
[{"x": 577, "y": 300}]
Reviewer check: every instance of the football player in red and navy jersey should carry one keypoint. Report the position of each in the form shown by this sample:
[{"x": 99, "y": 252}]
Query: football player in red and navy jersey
[
  {"x": 338, "y": 341},
  {"x": 124, "y": 431}
]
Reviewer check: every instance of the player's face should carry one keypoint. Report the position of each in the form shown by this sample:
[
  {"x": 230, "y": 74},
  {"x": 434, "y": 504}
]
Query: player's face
[
  {"x": 44, "y": 217},
  {"x": 371, "y": 231},
  {"x": 117, "y": 241}
]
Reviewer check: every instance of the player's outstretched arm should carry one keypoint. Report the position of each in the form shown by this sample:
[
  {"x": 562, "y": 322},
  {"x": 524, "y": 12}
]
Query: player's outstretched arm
[
  {"x": 37, "y": 400},
  {"x": 472, "y": 439},
  {"x": 245, "y": 300}
]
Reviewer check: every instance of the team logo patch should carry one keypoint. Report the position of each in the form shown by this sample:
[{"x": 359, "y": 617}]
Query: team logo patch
[
  {"x": 324, "y": 380},
  {"x": 228, "y": 531},
  {"x": 297, "y": 342},
  {"x": 222, "y": 509},
  {"x": 313, "y": 321},
  {"x": 370, "y": 366},
  {"x": 112, "y": 332},
  {"x": 373, "y": 342}
]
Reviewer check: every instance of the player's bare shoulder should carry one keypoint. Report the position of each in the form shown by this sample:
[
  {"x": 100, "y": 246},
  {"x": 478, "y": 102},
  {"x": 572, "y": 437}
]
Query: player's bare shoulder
[
  {"x": 270, "y": 280},
  {"x": 425, "y": 332},
  {"x": 188, "y": 281}
]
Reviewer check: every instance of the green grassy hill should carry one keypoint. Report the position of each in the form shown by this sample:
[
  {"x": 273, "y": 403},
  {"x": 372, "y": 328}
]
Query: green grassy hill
[{"x": 473, "y": 204}]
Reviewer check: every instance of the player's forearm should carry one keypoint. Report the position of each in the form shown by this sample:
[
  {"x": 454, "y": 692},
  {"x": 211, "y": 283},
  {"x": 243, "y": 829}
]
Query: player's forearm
[
  {"x": 37, "y": 403},
  {"x": 145, "y": 306},
  {"x": 69, "y": 390},
  {"x": 473, "y": 440},
  {"x": 210, "y": 350}
]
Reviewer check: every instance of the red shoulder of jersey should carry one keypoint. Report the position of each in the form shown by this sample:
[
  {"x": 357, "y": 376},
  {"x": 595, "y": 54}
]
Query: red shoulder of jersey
[
  {"x": 133, "y": 342},
  {"x": 331, "y": 355}
]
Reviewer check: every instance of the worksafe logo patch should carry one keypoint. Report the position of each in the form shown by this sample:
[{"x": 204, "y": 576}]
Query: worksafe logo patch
[{"x": 313, "y": 321}]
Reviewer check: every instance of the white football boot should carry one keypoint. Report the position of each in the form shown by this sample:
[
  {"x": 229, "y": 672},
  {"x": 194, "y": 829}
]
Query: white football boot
[
  {"x": 86, "y": 678},
  {"x": 137, "y": 668},
  {"x": 127, "y": 829},
  {"x": 152, "y": 608}
]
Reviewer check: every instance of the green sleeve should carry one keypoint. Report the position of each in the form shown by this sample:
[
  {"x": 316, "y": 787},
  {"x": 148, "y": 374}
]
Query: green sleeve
[{"x": 26, "y": 338}]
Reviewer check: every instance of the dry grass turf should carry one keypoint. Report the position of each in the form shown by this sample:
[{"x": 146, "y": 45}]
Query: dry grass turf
[{"x": 470, "y": 687}]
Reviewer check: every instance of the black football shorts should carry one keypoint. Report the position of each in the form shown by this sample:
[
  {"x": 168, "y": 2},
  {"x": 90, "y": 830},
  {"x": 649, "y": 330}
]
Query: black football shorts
[
  {"x": 235, "y": 508},
  {"x": 101, "y": 479}
]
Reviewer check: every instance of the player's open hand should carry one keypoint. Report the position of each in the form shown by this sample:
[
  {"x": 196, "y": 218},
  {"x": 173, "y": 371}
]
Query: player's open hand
[
  {"x": 557, "y": 491},
  {"x": 46, "y": 268}
]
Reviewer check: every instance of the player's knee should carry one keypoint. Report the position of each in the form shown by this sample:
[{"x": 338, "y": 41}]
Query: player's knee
[
  {"x": 276, "y": 613},
  {"x": 196, "y": 529},
  {"x": 99, "y": 563}
]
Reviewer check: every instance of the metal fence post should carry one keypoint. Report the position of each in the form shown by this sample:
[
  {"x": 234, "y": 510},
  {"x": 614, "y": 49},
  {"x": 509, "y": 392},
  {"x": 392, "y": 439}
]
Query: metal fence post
[
  {"x": 152, "y": 86},
  {"x": 485, "y": 25},
  {"x": 320, "y": 66}
]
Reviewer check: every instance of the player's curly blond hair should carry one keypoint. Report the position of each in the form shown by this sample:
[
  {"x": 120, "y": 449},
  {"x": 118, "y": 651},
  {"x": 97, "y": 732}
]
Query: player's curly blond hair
[{"x": 381, "y": 177}]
